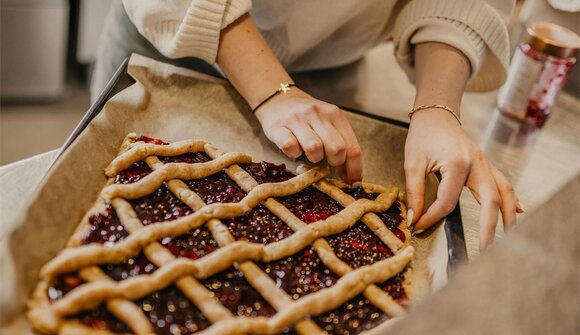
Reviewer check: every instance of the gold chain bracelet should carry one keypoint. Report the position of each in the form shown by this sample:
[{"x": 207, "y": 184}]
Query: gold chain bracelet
[{"x": 446, "y": 108}]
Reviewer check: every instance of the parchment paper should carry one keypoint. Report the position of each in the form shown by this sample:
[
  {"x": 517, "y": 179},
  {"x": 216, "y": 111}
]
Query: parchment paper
[{"x": 174, "y": 104}]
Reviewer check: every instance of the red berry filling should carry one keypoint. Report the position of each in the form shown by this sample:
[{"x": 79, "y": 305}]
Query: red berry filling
[
  {"x": 171, "y": 312},
  {"x": 104, "y": 227}
]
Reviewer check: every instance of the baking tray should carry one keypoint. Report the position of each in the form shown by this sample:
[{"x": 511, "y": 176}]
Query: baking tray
[
  {"x": 453, "y": 225},
  {"x": 94, "y": 140}
]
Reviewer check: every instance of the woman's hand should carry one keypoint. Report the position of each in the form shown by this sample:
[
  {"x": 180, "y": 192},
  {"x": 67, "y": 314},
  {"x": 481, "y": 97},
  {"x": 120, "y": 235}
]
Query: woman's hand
[
  {"x": 437, "y": 142},
  {"x": 296, "y": 122},
  {"x": 299, "y": 124}
]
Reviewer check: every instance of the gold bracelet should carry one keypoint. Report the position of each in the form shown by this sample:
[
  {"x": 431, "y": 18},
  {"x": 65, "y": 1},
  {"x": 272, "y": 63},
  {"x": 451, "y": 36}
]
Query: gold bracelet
[{"x": 450, "y": 110}]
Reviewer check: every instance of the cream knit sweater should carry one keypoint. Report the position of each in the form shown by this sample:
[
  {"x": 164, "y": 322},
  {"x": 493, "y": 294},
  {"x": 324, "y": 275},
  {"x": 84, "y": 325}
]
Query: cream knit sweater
[{"x": 315, "y": 34}]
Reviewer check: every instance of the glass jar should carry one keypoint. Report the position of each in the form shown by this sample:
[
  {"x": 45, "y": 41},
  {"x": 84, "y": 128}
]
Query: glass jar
[{"x": 538, "y": 71}]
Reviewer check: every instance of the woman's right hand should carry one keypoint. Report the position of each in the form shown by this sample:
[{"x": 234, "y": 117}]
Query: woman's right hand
[{"x": 299, "y": 124}]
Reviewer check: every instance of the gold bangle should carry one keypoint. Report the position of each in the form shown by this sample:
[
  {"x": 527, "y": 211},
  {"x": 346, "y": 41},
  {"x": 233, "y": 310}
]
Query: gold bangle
[{"x": 419, "y": 108}]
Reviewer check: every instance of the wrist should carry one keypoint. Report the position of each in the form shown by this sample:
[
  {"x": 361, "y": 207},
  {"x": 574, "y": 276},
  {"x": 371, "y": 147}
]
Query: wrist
[
  {"x": 433, "y": 108},
  {"x": 282, "y": 90}
]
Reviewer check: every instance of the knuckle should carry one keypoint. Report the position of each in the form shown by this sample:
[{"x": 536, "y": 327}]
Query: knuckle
[
  {"x": 289, "y": 144},
  {"x": 333, "y": 111},
  {"x": 463, "y": 162},
  {"x": 478, "y": 155},
  {"x": 313, "y": 146},
  {"x": 508, "y": 187},
  {"x": 336, "y": 150},
  {"x": 354, "y": 152},
  {"x": 309, "y": 110},
  {"x": 495, "y": 200}
]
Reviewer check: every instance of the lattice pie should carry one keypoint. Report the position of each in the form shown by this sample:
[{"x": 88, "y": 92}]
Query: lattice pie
[{"x": 186, "y": 239}]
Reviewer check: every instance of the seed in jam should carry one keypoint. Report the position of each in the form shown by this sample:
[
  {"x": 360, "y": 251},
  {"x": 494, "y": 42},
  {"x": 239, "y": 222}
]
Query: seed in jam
[
  {"x": 236, "y": 294},
  {"x": 133, "y": 173},
  {"x": 171, "y": 312},
  {"x": 359, "y": 246},
  {"x": 193, "y": 245},
  {"x": 216, "y": 188},
  {"x": 391, "y": 217},
  {"x": 352, "y": 318},
  {"x": 300, "y": 274},
  {"x": 311, "y": 205},
  {"x": 394, "y": 286},
  {"x": 159, "y": 206},
  {"x": 190, "y": 158},
  {"x": 104, "y": 228},
  {"x": 62, "y": 285},
  {"x": 101, "y": 319},
  {"x": 134, "y": 266},
  {"x": 265, "y": 172},
  {"x": 258, "y": 226}
]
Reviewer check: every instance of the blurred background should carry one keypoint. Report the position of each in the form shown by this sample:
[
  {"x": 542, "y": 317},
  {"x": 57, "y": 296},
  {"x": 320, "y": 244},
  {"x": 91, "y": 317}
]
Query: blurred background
[{"x": 48, "y": 47}]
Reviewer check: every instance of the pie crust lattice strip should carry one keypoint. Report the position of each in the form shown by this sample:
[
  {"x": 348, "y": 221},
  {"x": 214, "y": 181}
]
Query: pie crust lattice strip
[{"x": 187, "y": 239}]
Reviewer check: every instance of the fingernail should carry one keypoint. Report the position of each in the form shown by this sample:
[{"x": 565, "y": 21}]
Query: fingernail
[
  {"x": 356, "y": 184},
  {"x": 417, "y": 232},
  {"x": 520, "y": 207},
  {"x": 409, "y": 218}
]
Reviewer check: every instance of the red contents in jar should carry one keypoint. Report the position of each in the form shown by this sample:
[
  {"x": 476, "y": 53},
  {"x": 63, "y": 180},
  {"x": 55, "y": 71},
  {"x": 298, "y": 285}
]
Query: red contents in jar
[{"x": 550, "y": 81}]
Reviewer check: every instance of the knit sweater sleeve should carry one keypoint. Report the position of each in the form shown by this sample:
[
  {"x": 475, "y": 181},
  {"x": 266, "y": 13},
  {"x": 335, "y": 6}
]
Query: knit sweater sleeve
[
  {"x": 475, "y": 27},
  {"x": 185, "y": 28}
]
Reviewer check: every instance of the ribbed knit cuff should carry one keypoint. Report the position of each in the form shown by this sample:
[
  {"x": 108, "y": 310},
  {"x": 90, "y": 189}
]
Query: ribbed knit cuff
[
  {"x": 457, "y": 35},
  {"x": 197, "y": 35},
  {"x": 481, "y": 28}
]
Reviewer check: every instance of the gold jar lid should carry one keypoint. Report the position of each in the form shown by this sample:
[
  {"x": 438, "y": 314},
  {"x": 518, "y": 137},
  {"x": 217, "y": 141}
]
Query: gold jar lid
[{"x": 551, "y": 39}]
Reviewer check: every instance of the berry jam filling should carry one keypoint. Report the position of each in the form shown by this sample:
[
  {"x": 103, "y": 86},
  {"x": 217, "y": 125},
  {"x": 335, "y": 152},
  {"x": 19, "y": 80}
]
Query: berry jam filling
[
  {"x": 258, "y": 226},
  {"x": 300, "y": 274},
  {"x": 193, "y": 245},
  {"x": 394, "y": 287},
  {"x": 101, "y": 319},
  {"x": 311, "y": 205},
  {"x": 133, "y": 173},
  {"x": 159, "y": 206},
  {"x": 104, "y": 228},
  {"x": 391, "y": 217},
  {"x": 134, "y": 266},
  {"x": 190, "y": 158},
  {"x": 216, "y": 188},
  {"x": 265, "y": 172},
  {"x": 171, "y": 312},
  {"x": 236, "y": 294},
  {"x": 352, "y": 318},
  {"x": 359, "y": 246},
  {"x": 151, "y": 140},
  {"x": 62, "y": 285}
]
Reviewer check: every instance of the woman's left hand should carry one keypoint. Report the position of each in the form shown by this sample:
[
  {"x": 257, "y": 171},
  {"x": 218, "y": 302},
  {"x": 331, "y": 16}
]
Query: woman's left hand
[{"x": 437, "y": 142}]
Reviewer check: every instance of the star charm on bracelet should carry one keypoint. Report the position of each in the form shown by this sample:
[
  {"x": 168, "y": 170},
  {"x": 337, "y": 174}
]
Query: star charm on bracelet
[{"x": 284, "y": 87}]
